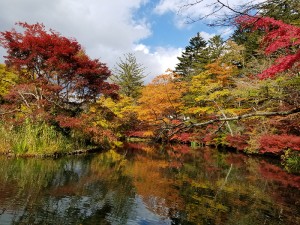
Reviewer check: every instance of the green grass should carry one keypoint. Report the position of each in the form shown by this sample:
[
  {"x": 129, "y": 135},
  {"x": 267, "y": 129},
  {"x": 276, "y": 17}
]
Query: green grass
[{"x": 35, "y": 139}]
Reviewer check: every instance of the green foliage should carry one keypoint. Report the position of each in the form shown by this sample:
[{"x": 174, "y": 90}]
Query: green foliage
[
  {"x": 214, "y": 87},
  {"x": 129, "y": 75},
  {"x": 291, "y": 161},
  {"x": 233, "y": 54},
  {"x": 215, "y": 48},
  {"x": 193, "y": 58},
  {"x": 34, "y": 139},
  {"x": 250, "y": 40},
  {"x": 288, "y": 10}
]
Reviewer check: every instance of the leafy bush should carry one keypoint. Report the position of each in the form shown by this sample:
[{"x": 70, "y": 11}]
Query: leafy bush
[
  {"x": 291, "y": 161},
  {"x": 276, "y": 144},
  {"x": 239, "y": 142}
]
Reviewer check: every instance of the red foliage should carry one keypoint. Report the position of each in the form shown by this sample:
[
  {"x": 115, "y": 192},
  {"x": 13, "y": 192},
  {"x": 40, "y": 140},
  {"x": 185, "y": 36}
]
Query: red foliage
[
  {"x": 181, "y": 149},
  {"x": 279, "y": 35},
  {"x": 275, "y": 173},
  {"x": 138, "y": 134},
  {"x": 182, "y": 137},
  {"x": 238, "y": 160},
  {"x": 238, "y": 142},
  {"x": 69, "y": 122},
  {"x": 287, "y": 125},
  {"x": 176, "y": 122},
  {"x": 53, "y": 68},
  {"x": 205, "y": 136},
  {"x": 276, "y": 144}
]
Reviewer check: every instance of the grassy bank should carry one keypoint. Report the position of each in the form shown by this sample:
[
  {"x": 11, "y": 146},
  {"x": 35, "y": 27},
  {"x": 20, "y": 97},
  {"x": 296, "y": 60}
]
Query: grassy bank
[{"x": 36, "y": 139}]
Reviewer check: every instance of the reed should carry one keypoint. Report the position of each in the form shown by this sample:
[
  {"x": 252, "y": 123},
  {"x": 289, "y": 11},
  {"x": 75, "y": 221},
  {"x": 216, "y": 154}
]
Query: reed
[{"x": 35, "y": 139}]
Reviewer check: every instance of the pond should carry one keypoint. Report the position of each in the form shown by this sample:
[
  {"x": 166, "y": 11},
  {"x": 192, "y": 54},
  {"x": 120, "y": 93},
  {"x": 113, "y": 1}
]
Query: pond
[{"x": 143, "y": 184}]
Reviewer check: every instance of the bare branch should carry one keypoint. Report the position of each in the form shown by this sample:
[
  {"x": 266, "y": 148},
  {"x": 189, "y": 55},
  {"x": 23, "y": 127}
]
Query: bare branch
[
  {"x": 8, "y": 112},
  {"x": 255, "y": 114},
  {"x": 24, "y": 99},
  {"x": 224, "y": 14}
]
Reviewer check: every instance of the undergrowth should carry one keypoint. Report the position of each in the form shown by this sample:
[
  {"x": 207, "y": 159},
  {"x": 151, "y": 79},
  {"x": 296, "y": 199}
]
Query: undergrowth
[{"x": 35, "y": 139}]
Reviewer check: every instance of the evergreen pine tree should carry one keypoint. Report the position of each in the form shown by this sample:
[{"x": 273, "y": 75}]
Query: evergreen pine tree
[
  {"x": 287, "y": 11},
  {"x": 193, "y": 58},
  {"x": 129, "y": 74},
  {"x": 215, "y": 47}
]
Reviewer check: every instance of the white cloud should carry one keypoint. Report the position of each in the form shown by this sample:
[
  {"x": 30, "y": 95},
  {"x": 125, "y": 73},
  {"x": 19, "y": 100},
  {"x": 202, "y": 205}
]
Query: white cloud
[
  {"x": 142, "y": 48},
  {"x": 168, "y": 5},
  {"x": 106, "y": 28},
  {"x": 206, "y": 36},
  {"x": 90, "y": 22},
  {"x": 159, "y": 60},
  {"x": 186, "y": 10}
]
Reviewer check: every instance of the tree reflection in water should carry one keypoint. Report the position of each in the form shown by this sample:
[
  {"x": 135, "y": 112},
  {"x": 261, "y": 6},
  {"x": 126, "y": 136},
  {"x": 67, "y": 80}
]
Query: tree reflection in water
[{"x": 144, "y": 184}]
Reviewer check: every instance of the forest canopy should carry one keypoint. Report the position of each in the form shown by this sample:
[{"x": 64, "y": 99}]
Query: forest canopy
[{"x": 241, "y": 93}]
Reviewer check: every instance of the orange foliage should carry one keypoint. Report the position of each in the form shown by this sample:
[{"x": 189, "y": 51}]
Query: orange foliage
[
  {"x": 161, "y": 99},
  {"x": 222, "y": 71}
]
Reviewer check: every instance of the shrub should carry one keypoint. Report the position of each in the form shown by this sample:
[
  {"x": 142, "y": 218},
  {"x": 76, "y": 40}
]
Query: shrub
[
  {"x": 276, "y": 144},
  {"x": 291, "y": 161}
]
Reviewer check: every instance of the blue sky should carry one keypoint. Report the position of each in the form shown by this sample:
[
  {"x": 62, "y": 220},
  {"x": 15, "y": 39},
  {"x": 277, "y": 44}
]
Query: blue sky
[
  {"x": 165, "y": 31},
  {"x": 108, "y": 29}
]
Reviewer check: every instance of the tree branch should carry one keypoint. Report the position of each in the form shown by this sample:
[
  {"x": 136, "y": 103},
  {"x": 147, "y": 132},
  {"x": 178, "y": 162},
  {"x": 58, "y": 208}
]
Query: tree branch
[
  {"x": 259, "y": 114},
  {"x": 12, "y": 111}
]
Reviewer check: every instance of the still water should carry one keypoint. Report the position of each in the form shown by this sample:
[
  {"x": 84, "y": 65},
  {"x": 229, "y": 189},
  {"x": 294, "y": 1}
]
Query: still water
[{"x": 146, "y": 185}]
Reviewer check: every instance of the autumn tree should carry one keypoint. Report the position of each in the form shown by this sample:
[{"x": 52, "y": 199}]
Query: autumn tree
[
  {"x": 233, "y": 54},
  {"x": 279, "y": 37},
  {"x": 286, "y": 11},
  {"x": 55, "y": 71},
  {"x": 216, "y": 80},
  {"x": 129, "y": 75},
  {"x": 160, "y": 102},
  {"x": 117, "y": 117},
  {"x": 220, "y": 95}
]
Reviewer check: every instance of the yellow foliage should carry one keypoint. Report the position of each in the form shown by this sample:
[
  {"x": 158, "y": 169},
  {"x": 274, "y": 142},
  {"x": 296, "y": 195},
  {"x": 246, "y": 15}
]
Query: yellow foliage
[
  {"x": 7, "y": 79},
  {"x": 121, "y": 107},
  {"x": 101, "y": 123},
  {"x": 199, "y": 110},
  {"x": 93, "y": 109},
  {"x": 148, "y": 133},
  {"x": 211, "y": 89},
  {"x": 110, "y": 114},
  {"x": 117, "y": 144},
  {"x": 219, "y": 94}
]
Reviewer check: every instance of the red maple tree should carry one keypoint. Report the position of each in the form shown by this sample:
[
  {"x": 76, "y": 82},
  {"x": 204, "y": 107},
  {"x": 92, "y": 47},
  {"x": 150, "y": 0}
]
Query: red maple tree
[
  {"x": 54, "y": 70},
  {"x": 278, "y": 36}
]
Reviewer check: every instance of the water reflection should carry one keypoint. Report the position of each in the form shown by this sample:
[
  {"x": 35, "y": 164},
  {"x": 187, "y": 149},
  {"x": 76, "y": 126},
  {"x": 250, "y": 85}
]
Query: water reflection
[{"x": 144, "y": 184}]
